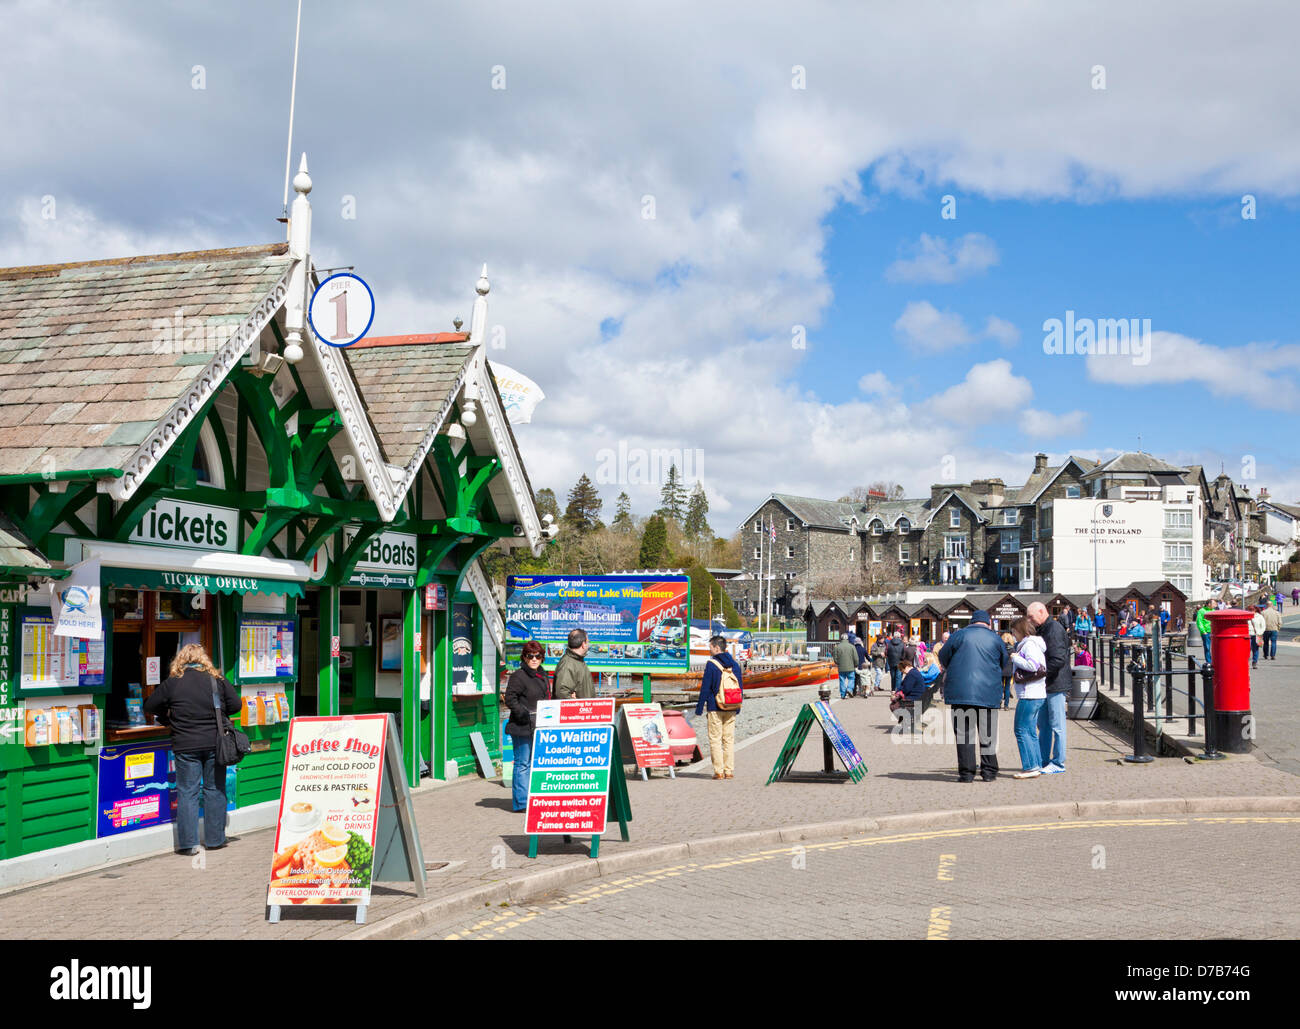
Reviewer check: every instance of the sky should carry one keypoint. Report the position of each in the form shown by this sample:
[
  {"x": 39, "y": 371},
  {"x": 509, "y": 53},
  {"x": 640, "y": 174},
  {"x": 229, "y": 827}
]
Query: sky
[{"x": 806, "y": 246}]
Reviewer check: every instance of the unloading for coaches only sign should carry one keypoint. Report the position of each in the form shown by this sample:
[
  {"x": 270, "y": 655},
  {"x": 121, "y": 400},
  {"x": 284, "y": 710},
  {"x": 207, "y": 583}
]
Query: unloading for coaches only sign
[{"x": 576, "y": 764}]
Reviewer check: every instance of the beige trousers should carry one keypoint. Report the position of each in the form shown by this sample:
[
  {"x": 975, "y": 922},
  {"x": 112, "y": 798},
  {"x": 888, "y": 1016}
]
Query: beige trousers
[{"x": 722, "y": 742}]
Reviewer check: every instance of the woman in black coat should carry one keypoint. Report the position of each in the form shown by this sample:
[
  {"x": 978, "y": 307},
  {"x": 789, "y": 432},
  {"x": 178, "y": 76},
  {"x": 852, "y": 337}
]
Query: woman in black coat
[
  {"x": 185, "y": 704},
  {"x": 527, "y": 685}
]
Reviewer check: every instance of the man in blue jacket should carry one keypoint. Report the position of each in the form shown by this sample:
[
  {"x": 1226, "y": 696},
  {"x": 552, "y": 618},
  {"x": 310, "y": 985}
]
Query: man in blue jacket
[
  {"x": 722, "y": 724},
  {"x": 975, "y": 661}
]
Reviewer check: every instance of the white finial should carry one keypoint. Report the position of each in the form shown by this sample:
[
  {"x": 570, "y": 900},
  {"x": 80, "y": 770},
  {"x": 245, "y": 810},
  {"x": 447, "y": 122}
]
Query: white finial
[
  {"x": 302, "y": 181},
  {"x": 478, "y": 317}
]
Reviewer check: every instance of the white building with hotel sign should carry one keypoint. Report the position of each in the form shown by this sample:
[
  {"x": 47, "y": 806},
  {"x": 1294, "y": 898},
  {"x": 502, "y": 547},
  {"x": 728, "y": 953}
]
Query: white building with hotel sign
[{"x": 1144, "y": 534}]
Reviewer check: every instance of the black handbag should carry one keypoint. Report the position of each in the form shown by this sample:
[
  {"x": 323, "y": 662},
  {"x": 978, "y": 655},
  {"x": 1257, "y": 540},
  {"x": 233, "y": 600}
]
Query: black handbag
[{"x": 232, "y": 744}]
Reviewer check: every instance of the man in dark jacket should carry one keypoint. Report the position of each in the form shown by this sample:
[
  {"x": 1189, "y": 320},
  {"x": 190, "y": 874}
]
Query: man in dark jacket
[
  {"x": 1051, "y": 716},
  {"x": 894, "y": 651},
  {"x": 572, "y": 676},
  {"x": 722, "y": 724},
  {"x": 975, "y": 660},
  {"x": 846, "y": 660}
]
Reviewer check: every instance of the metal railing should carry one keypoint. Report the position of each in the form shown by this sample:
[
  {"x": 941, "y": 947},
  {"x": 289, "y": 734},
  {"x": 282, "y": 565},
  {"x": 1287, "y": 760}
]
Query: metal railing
[{"x": 1150, "y": 662}]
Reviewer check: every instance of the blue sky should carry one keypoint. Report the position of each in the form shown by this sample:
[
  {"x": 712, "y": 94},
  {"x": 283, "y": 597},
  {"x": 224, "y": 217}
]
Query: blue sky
[{"x": 796, "y": 176}]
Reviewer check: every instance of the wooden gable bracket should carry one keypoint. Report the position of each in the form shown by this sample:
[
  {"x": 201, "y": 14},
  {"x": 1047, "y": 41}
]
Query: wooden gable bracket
[
  {"x": 49, "y": 510},
  {"x": 463, "y": 497}
]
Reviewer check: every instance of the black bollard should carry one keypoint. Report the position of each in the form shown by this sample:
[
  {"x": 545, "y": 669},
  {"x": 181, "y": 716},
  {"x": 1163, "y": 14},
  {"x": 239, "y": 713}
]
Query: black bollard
[
  {"x": 1210, "y": 753},
  {"x": 1191, "y": 696},
  {"x": 1139, "y": 755},
  {"x": 1121, "y": 668}
]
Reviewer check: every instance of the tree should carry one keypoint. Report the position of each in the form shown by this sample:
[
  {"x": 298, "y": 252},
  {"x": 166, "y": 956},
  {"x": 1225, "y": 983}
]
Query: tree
[
  {"x": 623, "y": 513},
  {"x": 696, "y": 526},
  {"x": 708, "y": 598},
  {"x": 654, "y": 544},
  {"x": 673, "y": 496},
  {"x": 546, "y": 504},
  {"x": 583, "y": 512}
]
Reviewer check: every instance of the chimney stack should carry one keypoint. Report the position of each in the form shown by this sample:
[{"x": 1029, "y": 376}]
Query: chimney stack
[{"x": 1040, "y": 463}]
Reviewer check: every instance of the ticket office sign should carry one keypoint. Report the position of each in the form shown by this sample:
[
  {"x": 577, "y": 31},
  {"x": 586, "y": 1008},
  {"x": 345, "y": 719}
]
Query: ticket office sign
[
  {"x": 325, "y": 834},
  {"x": 568, "y": 790}
]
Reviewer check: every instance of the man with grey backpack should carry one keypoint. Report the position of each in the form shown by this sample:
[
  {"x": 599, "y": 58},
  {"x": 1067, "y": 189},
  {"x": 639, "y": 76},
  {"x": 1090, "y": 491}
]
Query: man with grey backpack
[{"x": 721, "y": 693}]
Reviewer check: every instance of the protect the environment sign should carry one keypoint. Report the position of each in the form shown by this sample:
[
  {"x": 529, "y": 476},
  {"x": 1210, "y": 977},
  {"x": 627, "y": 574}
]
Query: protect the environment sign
[
  {"x": 325, "y": 836},
  {"x": 633, "y": 624},
  {"x": 568, "y": 789}
]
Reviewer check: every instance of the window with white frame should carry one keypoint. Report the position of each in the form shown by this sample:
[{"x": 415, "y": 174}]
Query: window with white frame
[
  {"x": 954, "y": 546},
  {"x": 1183, "y": 582},
  {"x": 1072, "y": 492},
  {"x": 904, "y": 525},
  {"x": 876, "y": 550},
  {"x": 1178, "y": 519},
  {"x": 1178, "y": 551},
  {"x": 1010, "y": 516},
  {"x": 789, "y": 525},
  {"x": 954, "y": 518},
  {"x": 905, "y": 553},
  {"x": 758, "y": 525},
  {"x": 758, "y": 554},
  {"x": 789, "y": 551},
  {"x": 1010, "y": 542},
  {"x": 877, "y": 527}
]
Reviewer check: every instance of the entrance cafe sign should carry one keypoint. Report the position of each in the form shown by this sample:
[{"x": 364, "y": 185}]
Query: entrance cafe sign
[
  {"x": 196, "y": 526},
  {"x": 388, "y": 559}
]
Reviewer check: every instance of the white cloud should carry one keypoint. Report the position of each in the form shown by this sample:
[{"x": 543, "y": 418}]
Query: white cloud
[
  {"x": 1043, "y": 424},
  {"x": 877, "y": 384},
  {"x": 924, "y": 327},
  {"x": 1001, "y": 330},
  {"x": 990, "y": 392},
  {"x": 941, "y": 261},
  {"x": 1262, "y": 373}
]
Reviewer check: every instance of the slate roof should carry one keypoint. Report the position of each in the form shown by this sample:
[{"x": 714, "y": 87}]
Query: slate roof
[
  {"x": 403, "y": 381},
  {"x": 85, "y": 374},
  {"x": 1291, "y": 509},
  {"x": 1131, "y": 461},
  {"x": 1038, "y": 481},
  {"x": 823, "y": 514}
]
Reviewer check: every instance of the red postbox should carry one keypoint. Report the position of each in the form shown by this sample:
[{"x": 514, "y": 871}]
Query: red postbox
[{"x": 1230, "y": 657}]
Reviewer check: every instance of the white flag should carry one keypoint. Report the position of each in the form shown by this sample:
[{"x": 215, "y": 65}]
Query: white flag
[{"x": 519, "y": 393}]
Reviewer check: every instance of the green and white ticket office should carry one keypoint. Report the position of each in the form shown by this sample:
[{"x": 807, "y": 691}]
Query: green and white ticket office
[{"x": 313, "y": 515}]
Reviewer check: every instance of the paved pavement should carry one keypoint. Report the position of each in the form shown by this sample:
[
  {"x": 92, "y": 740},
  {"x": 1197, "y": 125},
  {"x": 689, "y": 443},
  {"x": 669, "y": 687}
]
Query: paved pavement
[
  {"x": 470, "y": 827},
  {"x": 1036, "y": 881}
]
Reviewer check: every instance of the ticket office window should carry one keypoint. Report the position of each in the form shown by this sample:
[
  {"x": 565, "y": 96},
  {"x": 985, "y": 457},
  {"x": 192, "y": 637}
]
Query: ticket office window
[{"x": 147, "y": 624}]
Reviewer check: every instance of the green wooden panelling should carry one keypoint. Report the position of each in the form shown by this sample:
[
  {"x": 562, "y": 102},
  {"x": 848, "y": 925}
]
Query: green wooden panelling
[{"x": 49, "y": 806}]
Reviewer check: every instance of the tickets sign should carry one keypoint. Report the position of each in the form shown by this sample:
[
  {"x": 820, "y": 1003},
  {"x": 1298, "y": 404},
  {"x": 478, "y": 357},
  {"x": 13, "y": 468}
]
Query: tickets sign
[
  {"x": 568, "y": 789},
  {"x": 649, "y": 735},
  {"x": 325, "y": 834}
]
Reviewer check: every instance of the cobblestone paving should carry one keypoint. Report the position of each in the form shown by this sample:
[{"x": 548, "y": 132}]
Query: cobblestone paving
[
  {"x": 1071, "y": 880},
  {"x": 470, "y": 825}
]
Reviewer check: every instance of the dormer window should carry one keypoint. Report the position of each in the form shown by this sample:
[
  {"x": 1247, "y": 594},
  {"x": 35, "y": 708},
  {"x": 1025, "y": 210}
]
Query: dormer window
[
  {"x": 904, "y": 525},
  {"x": 1009, "y": 516},
  {"x": 877, "y": 527}
]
